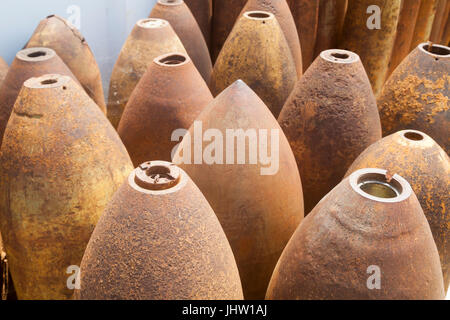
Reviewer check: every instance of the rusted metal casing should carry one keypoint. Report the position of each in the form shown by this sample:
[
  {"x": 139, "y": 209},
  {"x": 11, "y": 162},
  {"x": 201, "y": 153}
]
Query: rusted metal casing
[
  {"x": 258, "y": 203},
  {"x": 416, "y": 95},
  {"x": 281, "y": 11},
  {"x": 329, "y": 119},
  {"x": 149, "y": 39},
  {"x": 367, "y": 239},
  {"x": 202, "y": 10},
  {"x": 419, "y": 159},
  {"x": 159, "y": 239},
  {"x": 258, "y": 53},
  {"x": 187, "y": 29},
  {"x": 29, "y": 63},
  {"x": 424, "y": 23},
  {"x": 306, "y": 16},
  {"x": 3, "y": 70},
  {"x": 330, "y": 24},
  {"x": 170, "y": 96},
  {"x": 405, "y": 33},
  {"x": 58, "y": 34},
  {"x": 60, "y": 163},
  {"x": 373, "y": 45},
  {"x": 225, "y": 14}
]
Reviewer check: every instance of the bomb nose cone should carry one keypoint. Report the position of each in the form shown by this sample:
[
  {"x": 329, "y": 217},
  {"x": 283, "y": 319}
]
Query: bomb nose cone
[{"x": 157, "y": 175}]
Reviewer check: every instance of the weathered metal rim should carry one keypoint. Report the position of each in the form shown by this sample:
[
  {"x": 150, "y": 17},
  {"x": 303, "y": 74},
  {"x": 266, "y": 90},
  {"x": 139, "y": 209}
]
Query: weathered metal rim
[
  {"x": 259, "y": 15},
  {"x": 339, "y": 56},
  {"x": 172, "y": 60},
  {"x": 415, "y": 137},
  {"x": 152, "y": 23},
  {"x": 179, "y": 182},
  {"x": 435, "y": 55},
  {"x": 47, "y": 81},
  {"x": 170, "y": 2},
  {"x": 397, "y": 183},
  {"x": 36, "y": 54}
]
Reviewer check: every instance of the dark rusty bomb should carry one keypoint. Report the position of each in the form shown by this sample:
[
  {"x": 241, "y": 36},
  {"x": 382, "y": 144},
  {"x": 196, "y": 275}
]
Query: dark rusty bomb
[
  {"x": 371, "y": 219},
  {"x": 159, "y": 239}
]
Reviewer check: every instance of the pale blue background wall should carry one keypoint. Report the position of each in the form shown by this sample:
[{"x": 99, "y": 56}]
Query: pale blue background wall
[{"x": 104, "y": 23}]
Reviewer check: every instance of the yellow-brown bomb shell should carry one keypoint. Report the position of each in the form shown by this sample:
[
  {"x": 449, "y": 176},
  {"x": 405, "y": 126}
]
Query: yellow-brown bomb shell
[
  {"x": 329, "y": 119},
  {"x": 442, "y": 13},
  {"x": 424, "y": 23},
  {"x": 258, "y": 204},
  {"x": 374, "y": 46},
  {"x": 3, "y": 70},
  {"x": 159, "y": 239},
  {"x": 257, "y": 52},
  {"x": 187, "y": 29},
  {"x": 306, "y": 16},
  {"x": 225, "y": 14},
  {"x": 28, "y": 63},
  {"x": 370, "y": 227},
  {"x": 446, "y": 36},
  {"x": 170, "y": 96},
  {"x": 416, "y": 95},
  {"x": 202, "y": 10},
  {"x": 149, "y": 39},
  {"x": 405, "y": 33},
  {"x": 60, "y": 163},
  {"x": 58, "y": 34},
  {"x": 330, "y": 24},
  {"x": 281, "y": 11},
  {"x": 422, "y": 162}
]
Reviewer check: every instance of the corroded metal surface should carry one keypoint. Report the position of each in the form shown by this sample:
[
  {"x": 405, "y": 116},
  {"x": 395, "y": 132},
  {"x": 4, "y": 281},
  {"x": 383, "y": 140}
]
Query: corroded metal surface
[
  {"x": 159, "y": 239},
  {"x": 3, "y": 70},
  {"x": 169, "y": 96},
  {"x": 416, "y": 96},
  {"x": 442, "y": 14},
  {"x": 329, "y": 119},
  {"x": 281, "y": 11},
  {"x": 31, "y": 62},
  {"x": 405, "y": 33},
  {"x": 330, "y": 24},
  {"x": 423, "y": 163},
  {"x": 56, "y": 33},
  {"x": 60, "y": 163},
  {"x": 331, "y": 254},
  {"x": 187, "y": 29},
  {"x": 202, "y": 11},
  {"x": 424, "y": 23},
  {"x": 374, "y": 46},
  {"x": 258, "y": 212},
  {"x": 225, "y": 15},
  {"x": 306, "y": 16},
  {"x": 149, "y": 39},
  {"x": 257, "y": 52}
]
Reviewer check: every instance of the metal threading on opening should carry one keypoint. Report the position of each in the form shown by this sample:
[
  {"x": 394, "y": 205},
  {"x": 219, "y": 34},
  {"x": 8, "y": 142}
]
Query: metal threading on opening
[
  {"x": 380, "y": 185},
  {"x": 157, "y": 175},
  {"x": 339, "y": 56}
]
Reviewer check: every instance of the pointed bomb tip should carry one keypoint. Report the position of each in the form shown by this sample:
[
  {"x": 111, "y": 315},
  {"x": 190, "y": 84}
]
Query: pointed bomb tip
[
  {"x": 173, "y": 59},
  {"x": 48, "y": 81},
  {"x": 152, "y": 23},
  {"x": 237, "y": 87},
  {"x": 339, "y": 56},
  {"x": 435, "y": 50},
  {"x": 380, "y": 185},
  {"x": 36, "y": 54}
]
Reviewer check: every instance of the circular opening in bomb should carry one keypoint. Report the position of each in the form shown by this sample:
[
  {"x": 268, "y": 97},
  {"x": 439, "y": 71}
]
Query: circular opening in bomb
[
  {"x": 338, "y": 55},
  {"x": 152, "y": 23},
  {"x": 157, "y": 175},
  {"x": 258, "y": 15},
  {"x": 379, "y": 186},
  {"x": 172, "y": 60},
  {"x": 48, "y": 82},
  {"x": 170, "y": 2},
  {"x": 414, "y": 136},
  {"x": 437, "y": 50},
  {"x": 37, "y": 54}
]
